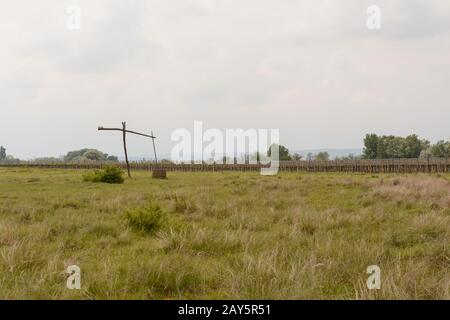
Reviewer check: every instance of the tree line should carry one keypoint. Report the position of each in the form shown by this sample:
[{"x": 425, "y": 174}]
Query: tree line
[
  {"x": 82, "y": 155},
  {"x": 375, "y": 147},
  {"x": 6, "y": 157},
  {"x": 395, "y": 147},
  {"x": 382, "y": 147}
]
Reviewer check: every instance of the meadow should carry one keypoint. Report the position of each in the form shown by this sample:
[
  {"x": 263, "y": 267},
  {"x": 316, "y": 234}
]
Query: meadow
[{"x": 224, "y": 235}]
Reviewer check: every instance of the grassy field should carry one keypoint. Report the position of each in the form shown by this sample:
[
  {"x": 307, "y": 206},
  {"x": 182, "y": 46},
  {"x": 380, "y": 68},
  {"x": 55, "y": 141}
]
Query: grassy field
[{"x": 225, "y": 235}]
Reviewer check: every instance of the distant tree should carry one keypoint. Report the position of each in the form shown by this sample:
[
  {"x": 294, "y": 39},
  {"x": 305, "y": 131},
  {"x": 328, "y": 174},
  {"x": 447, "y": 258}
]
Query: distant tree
[
  {"x": 309, "y": 156},
  {"x": 2, "y": 153},
  {"x": 94, "y": 155},
  {"x": 71, "y": 155},
  {"x": 88, "y": 155},
  {"x": 47, "y": 160},
  {"x": 386, "y": 147},
  {"x": 10, "y": 159},
  {"x": 441, "y": 149},
  {"x": 283, "y": 152},
  {"x": 112, "y": 158},
  {"x": 393, "y": 147},
  {"x": 350, "y": 156},
  {"x": 297, "y": 157},
  {"x": 322, "y": 156},
  {"x": 253, "y": 157},
  {"x": 413, "y": 146},
  {"x": 381, "y": 149},
  {"x": 399, "y": 147},
  {"x": 425, "y": 153},
  {"x": 370, "y": 150}
]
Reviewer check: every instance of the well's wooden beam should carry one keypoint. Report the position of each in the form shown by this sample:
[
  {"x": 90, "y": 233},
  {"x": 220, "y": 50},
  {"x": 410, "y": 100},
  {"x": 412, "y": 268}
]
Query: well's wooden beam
[
  {"x": 124, "y": 132},
  {"x": 129, "y": 131}
]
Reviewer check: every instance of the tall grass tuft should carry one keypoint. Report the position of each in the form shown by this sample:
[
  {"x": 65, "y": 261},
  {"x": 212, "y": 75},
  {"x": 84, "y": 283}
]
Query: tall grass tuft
[
  {"x": 184, "y": 205},
  {"x": 148, "y": 219}
]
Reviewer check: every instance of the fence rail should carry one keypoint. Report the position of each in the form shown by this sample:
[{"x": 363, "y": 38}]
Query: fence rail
[{"x": 364, "y": 166}]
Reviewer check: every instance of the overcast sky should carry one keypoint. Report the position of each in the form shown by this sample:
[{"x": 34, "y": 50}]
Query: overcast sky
[{"x": 310, "y": 68}]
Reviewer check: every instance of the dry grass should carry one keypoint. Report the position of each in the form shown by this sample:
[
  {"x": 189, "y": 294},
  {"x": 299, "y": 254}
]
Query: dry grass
[
  {"x": 416, "y": 188},
  {"x": 226, "y": 235}
]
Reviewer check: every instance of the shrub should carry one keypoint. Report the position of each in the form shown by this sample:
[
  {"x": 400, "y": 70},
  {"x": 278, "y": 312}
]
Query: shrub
[
  {"x": 148, "y": 219},
  {"x": 110, "y": 174}
]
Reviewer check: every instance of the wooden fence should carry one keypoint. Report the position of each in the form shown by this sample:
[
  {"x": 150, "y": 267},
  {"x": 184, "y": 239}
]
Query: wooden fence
[{"x": 364, "y": 166}]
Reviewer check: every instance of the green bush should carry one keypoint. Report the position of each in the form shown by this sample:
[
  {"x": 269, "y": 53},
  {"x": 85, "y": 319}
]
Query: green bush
[
  {"x": 148, "y": 219},
  {"x": 110, "y": 174}
]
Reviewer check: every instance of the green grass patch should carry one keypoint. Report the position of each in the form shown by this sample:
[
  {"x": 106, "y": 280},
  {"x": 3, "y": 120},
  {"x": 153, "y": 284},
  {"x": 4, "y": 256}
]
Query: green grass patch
[{"x": 224, "y": 235}]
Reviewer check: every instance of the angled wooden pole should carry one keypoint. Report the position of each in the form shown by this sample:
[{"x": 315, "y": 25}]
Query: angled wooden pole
[
  {"x": 154, "y": 148},
  {"x": 124, "y": 126}
]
